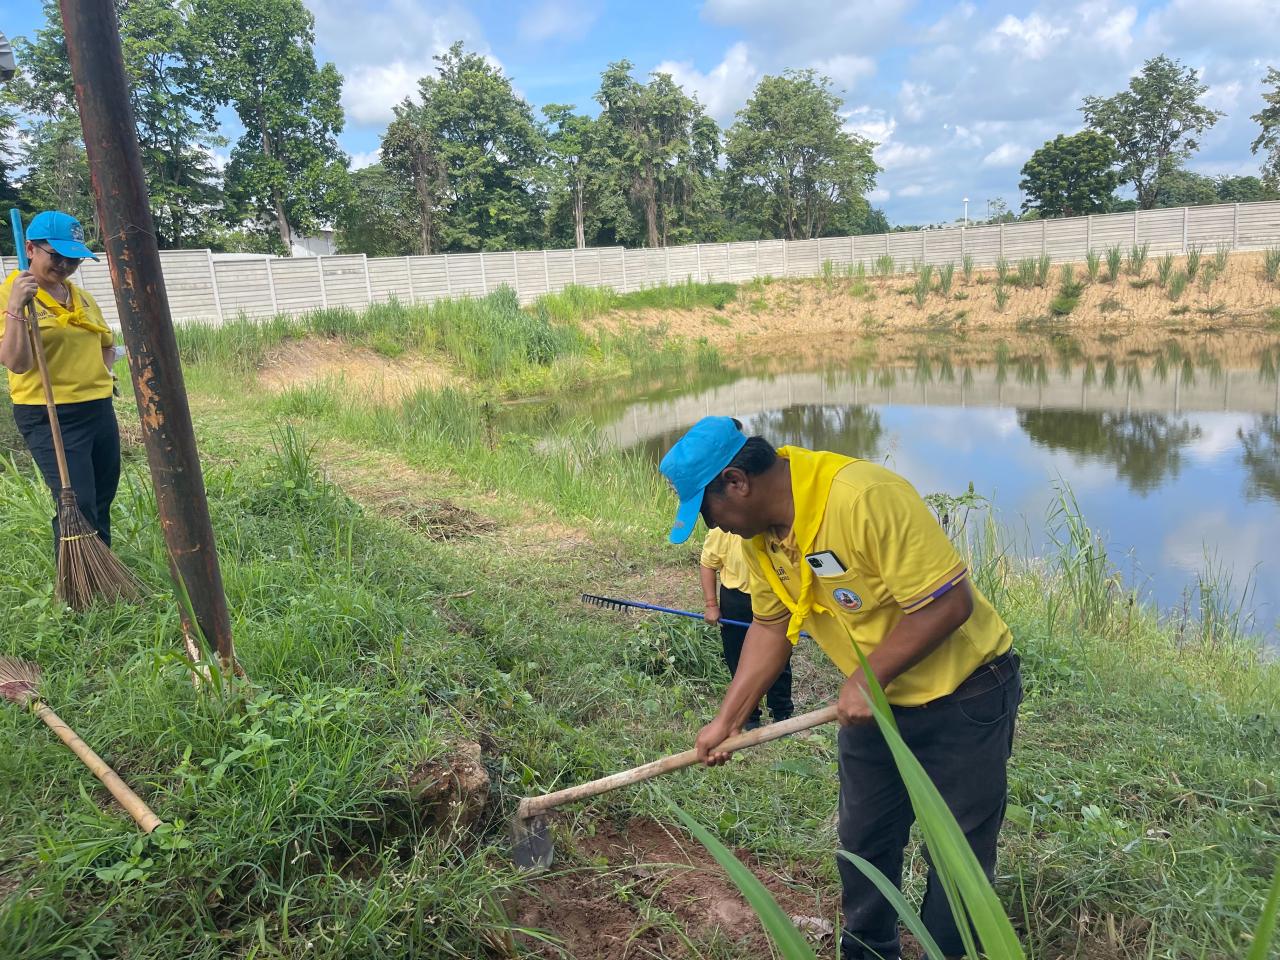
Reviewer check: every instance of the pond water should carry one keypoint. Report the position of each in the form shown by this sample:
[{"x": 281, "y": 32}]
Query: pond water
[{"x": 1173, "y": 454}]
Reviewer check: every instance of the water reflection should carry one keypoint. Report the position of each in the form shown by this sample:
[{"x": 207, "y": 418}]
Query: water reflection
[
  {"x": 1172, "y": 451},
  {"x": 1145, "y": 448}
]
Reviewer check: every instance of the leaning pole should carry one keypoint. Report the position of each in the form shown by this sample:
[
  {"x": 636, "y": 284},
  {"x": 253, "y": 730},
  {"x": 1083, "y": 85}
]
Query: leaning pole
[{"x": 124, "y": 214}]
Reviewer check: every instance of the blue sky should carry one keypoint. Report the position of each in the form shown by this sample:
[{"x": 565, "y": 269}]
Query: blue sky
[{"x": 957, "y": 95}]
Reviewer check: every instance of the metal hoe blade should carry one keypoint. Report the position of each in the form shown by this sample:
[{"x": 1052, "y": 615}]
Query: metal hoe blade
[{"x": 531, "y": 845}]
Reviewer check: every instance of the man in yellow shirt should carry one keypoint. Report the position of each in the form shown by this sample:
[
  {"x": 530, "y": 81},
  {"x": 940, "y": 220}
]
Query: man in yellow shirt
[
  {"x": 724, "y": 554},
  {"x": 79, "y": 349},
  {"x": 849, "y": 551}
]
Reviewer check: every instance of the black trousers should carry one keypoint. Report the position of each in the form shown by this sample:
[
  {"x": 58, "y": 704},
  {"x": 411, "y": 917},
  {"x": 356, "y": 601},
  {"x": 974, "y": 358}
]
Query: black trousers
[
  {"x": 964, "y": 742},
  {"x": 91, "y": 438},
  {"x": 736, "y": 605}
]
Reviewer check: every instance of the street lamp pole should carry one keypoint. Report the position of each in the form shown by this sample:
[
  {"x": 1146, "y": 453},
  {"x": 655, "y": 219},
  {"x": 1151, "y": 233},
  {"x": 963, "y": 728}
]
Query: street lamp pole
[{"x": 966, "y": 211}]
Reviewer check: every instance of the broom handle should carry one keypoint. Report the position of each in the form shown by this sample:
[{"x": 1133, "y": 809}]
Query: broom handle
[
  {"x": 132, "y": 803},
  {"x": 532, "y": 806},
  {"x": 37, "y": 347}
]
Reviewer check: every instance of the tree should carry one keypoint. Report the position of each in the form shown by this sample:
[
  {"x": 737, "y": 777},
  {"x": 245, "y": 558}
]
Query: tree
[
  {"x": 57, "y": 171},
  {"x": 1182, "y": 188},
  {"x": 1268, "y": 118},
  {"x": 792, "y": 169},
  {"x": 474, "y": 152},
  {"x": 1245, "y": 190},
  {"x": 287, "y": 169},
  {"x": 379, "y": 217},
  {"x": 410, "y": 150},
  {"x": 8, "y": 189},
  {"x": 173, "y": 109},
  {"x": 1156, "y": 124},
  {"x": 1070, "y": 176},
  {"x": 665, "y": 149},
  {"x": 580, "y": 167}
]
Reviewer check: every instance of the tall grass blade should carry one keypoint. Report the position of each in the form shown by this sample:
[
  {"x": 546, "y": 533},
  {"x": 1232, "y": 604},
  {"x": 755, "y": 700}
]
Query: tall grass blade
[
  {"x": 1266, "y": 930},
  {"x": 891, "y": 893},
  {"x": 777, "y": 925}
]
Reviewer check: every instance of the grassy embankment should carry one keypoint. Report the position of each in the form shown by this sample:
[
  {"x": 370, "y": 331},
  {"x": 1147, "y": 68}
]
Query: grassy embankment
[{"x": 410, "y": 584}]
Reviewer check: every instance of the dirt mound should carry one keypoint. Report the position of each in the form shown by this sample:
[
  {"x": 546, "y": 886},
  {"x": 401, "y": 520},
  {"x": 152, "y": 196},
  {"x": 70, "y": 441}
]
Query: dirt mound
[
  {"x": 378, "y": 379},
  {"x": 636, "y": 878}
]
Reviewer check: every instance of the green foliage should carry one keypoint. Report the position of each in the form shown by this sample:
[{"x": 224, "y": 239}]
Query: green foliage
[
  {"x": 1093, "y": 264},
  {"x": 884, "y": 266},
  {"x": 379, "y": 217},
  {"x": 966, "y": 267},
  {"x": 286, "y": 169},
  {"x": 946, "y": 274},
  {"x": 1271, "y": 264},
  {"x": 665, "y": 148},
  {"x": 1042, "y": 270},
  {"x": 1155, "y": 124},
  {"x": 1114, "y": 258},
  {"x": 792, "y": 169},
  {"x": 1268, "y": 120},
  {"x": 1164, "y": 269},
  {"x": 1002, "y": 269},
  {"x": 1071, "y": 176},
  {"x": 1136, "y": 262},
  {"x": 1221, "y": 254},
  {"x": 1027, "y": 269},
  {"x": 470, "y": 147},
  {"x": 1002, "y": 296},
  {"x": 1069, "y": 290},
  {"x": 1194, "y": 256}
]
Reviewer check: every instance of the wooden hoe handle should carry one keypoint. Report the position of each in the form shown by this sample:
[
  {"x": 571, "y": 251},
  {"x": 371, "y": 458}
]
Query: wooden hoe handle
[
  {"x": 134, "y": 804},
  {"x": 532, "y": 806}
]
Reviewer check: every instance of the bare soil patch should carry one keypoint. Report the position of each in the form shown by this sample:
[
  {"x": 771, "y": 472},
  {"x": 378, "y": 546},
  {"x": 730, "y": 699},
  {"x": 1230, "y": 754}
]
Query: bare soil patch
[
  {"x": 614, "y": 904},
  {"x": 817, "y": 314},
  {"x": 378, "y": 379}
]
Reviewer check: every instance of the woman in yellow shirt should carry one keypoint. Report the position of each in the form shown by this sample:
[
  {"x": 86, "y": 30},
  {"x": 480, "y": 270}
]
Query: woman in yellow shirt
[
  {"x": 722, "y": 553},
  {"x": 80, "y": 350}
]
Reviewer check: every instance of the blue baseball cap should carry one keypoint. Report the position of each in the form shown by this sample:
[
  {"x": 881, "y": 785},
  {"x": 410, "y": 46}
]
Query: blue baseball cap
[
  {"x": 696, "y": 459},
  {"x": 61, "y": 231}
]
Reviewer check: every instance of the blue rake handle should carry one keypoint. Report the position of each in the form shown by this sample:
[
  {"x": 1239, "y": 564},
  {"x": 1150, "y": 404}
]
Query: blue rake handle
[
  {"x": 15, "y": 221},
  {"x": 611, "y": 602}
]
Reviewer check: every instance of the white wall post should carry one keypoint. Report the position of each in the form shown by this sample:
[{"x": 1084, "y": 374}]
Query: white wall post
[
  {"x": 324, "y": 294},
  {"x": 448, "y": 281},
  {"x": 271, "y": 285},
  {"x": 1235, "y": 228},
  {"x": 408, "y": 272},
  {"x": 1184, "y": 228},
  {"x": 484, "y": 280},
  {"x": 368, "y": 282},
  {"x": 546, "y": 272},
  {"x": 217, "y": 297},
  {"x": 697, "y": 252}
]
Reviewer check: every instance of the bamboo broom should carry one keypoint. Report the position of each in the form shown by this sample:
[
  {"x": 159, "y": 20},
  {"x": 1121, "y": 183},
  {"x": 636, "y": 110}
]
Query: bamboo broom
[
  {"x": 20, "y": 684},
  {"x": 87, "y": 569}
]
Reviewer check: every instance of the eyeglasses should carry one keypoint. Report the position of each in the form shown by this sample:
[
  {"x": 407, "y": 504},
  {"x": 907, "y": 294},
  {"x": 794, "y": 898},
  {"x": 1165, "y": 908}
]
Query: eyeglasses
[{"x": 56, "y": 257}]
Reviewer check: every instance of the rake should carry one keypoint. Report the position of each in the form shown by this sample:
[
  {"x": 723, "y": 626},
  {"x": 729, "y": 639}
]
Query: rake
[
  {"x": 20, "y": 684},
  {"x": 87, "y": 569},
  {"x": 609, "y": 603}
]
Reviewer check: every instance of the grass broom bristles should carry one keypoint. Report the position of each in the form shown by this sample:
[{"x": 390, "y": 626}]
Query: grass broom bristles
[{"x": 87, "y": 569}]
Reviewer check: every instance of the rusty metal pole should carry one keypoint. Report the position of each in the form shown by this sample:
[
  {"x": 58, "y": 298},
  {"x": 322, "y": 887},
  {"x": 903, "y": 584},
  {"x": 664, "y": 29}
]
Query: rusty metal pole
[{"x": 124, "y": 214}]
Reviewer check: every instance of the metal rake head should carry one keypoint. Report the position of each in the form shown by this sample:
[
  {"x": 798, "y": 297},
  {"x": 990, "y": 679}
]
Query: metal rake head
[
  {"x": 19, "y": 680},
  {"x": 605, "y": 602}
]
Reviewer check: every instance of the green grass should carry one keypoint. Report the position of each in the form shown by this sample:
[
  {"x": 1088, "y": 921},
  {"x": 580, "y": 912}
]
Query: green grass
[{"x": 1143, "y": 784}]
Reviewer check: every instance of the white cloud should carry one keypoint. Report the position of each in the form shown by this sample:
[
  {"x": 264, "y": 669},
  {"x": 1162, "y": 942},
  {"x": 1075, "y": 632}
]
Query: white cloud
[
  {"x": 875, "y": 125},
  {"x": 557, "y": 19},
  {"x": 722, "y": 90},
  {"x": 1032, "y": 37},
  {"x": 914, "y": 98},
  {"x": 911, "y": 190},
  {"x": 879, "y": 195},
  {"x": 1006, "y": 155},
  {"x": 365, "y": 158},
  {"x": 845, "y": 69},
  {"x": 893, "y": 155},
  {"x": 370, "y": 92}
]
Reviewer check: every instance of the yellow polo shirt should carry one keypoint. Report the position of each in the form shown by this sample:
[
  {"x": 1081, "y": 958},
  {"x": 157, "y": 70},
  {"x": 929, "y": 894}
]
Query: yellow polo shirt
[
  {"x": 74, "y": 337},
  {"x": 894, "y": 559},
  {"x": 724, "y": 552}
]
